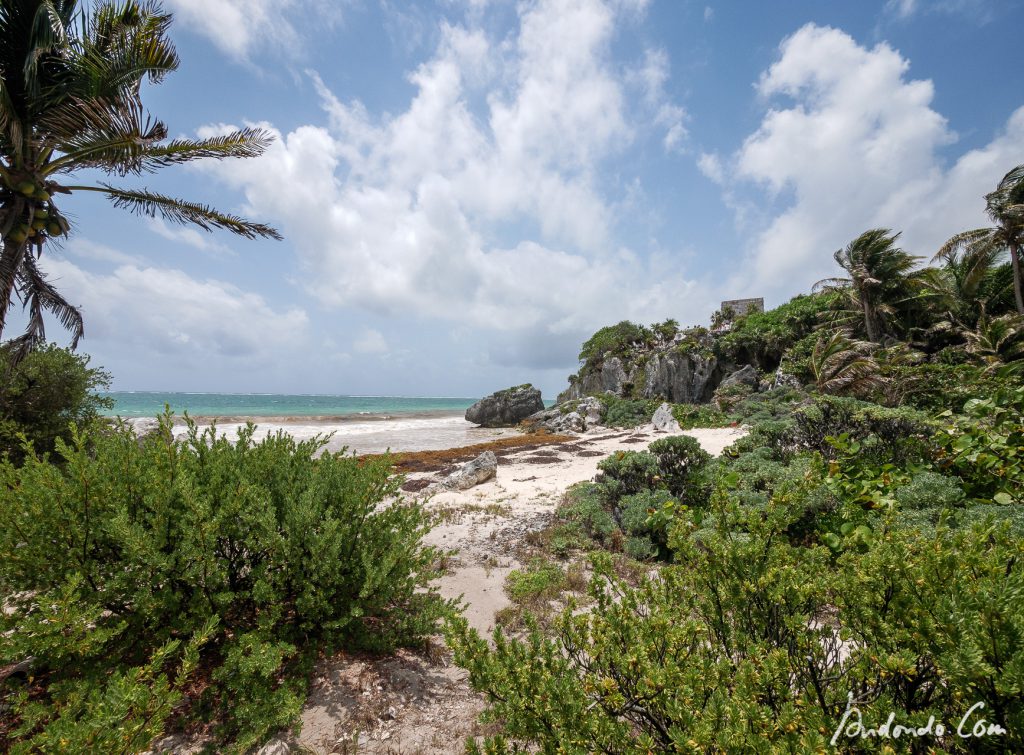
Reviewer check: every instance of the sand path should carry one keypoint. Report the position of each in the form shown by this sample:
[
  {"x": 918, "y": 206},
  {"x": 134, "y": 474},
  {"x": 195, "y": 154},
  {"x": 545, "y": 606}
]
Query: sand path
[{"x": 420, "y": 703}]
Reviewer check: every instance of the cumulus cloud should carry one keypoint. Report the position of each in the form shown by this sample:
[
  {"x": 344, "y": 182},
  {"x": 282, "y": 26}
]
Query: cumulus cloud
[
  {"x": 851, "y": 142},
  {"x": 238, "y": 27},
  {"x": 168, "y": 312},
  {"x": 410, "y": 214},
  {"x": 371, "y": 342},
  {"x": 186, "y": 235}
]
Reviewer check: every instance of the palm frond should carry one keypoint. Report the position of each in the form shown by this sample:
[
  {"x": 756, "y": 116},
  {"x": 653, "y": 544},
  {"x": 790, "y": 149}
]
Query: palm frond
[
  {"x": 151, "y": 204},
  {"x": 10, "y": 265},
  {"x": 249, "y": 142},
  {"x": 38, "y": 294},
  {"x": 111, "y": 136},
  {"x": 119, "y": 45}
]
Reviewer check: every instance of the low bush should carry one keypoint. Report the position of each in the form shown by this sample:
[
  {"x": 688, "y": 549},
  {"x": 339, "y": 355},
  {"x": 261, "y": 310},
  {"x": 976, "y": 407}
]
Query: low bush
[
  {"x": 622, "y": 412},
  {"x": 690, "y": 416},
  {"x": 984, "y": 446},
  {"x": 628, "y": 472},
  {"x": 754, "y": 644},
  {"x": 288, "y": 555},
  {"x": 680, "y": 458},
  {"x": 43, "y": 394}
]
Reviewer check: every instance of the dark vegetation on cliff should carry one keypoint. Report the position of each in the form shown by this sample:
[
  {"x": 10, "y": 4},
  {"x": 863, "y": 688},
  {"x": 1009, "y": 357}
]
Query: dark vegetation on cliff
[{"x": 859, "y": 552}]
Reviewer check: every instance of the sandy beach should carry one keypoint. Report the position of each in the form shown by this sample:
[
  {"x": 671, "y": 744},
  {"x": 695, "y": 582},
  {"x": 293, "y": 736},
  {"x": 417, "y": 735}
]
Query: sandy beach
[{"x": 418, "y": 702}]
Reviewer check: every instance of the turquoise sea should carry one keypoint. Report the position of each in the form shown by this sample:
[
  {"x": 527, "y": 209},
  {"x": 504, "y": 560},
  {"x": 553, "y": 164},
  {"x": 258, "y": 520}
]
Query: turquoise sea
[
  {"x": 149, "y": 404},
  {"x": 358, "y": 424}
]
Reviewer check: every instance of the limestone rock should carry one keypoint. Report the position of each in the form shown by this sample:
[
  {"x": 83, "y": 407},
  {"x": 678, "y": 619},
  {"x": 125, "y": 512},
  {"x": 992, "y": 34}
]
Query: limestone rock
[
  {"x": 506, "y": 408},
  {"x": 746, "y": 375},
  {"x": 664, "y": 421},
  {"x": 275, "y": 747},
  {"x": 481, "y": 469},
  {"x": 681, "y": 378},
  {"x": 784, "y": 380},
  {"x": 591, "y": 408}
]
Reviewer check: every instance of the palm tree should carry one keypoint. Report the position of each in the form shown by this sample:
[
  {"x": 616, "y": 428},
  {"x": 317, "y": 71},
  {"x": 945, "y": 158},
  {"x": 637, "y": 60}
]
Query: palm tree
[
  {"x": 843, "y": 365},
  {"x": 881, "y": 279},
  {"x": 70, "y": 81},
  {"x": 974, "y": 278},
  {"x": 997, "y": 341},
  {"x": 1005, "y": 207}
]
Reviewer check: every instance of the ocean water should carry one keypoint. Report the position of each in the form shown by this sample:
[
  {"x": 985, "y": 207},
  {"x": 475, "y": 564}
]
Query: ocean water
[
  {"x": 230, "y": 405},
  {"x": 356, "y": 424}
]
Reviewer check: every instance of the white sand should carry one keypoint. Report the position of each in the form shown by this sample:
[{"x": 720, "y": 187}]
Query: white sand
[{"x": 410, "y": 703}]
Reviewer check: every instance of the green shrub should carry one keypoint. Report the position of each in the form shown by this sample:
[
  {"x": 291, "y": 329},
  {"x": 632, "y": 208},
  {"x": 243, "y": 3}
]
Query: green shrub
[
  {"x": 628, "y": 472},
  {"x": 762, "y": 338},
  {"x": 885, "y": 434},
  {"x": 930, "y": 490},
  {"x": 540, "y": 580},
  {"x": 587, "y": 506},
  {"x": 690, "y": 416},
  {"x": 41, "y": 396},
  {"x": 726, "y": 649},
  {"x": 614, "y": 340},
  {"x": 290, "y": 554},
  {"x": 621, "y": 412},
  {"x": 679, "y": 457},
  {"x": 647, "y": 532},
  {"x": 985, "y": 446},
  {"x": 728, "y": 397}
]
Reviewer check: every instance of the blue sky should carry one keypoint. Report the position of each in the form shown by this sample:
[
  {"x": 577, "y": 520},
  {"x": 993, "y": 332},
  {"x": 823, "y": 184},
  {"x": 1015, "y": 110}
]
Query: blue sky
[{"x": 469, "y": 188}]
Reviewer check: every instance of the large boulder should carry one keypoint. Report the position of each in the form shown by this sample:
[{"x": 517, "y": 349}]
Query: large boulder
[
  {"x": 664, "y": 421},
  {"x": 591, "y": 408},
  {"x": 506, "y": 408},
  {"x": 746, "y": 375},
  {"x": 481, "y": 469}
]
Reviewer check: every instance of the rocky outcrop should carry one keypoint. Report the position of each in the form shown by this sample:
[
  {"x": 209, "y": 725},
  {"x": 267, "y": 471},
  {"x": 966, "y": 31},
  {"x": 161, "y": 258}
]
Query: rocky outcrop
[
  {"x": 680, "y": 377},
  {"x": 784, "y": 380},
  {"x": 664, "y": 421},
  {"x": 481, "y": 469},
  {"x": 562, "y": 419},
  {"x": 746, "y": 375},
  {"x": 506, "y": 408},
  {"x": 676, "y": 376}
]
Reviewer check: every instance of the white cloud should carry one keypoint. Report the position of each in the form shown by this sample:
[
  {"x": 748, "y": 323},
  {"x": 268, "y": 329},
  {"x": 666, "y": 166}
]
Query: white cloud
[
  {"x": 709, "y": 12},
  {"x": 187, "y": 235},
  {"x": 653, "y": 75},
  {"x": 857, "y": 146},
  {"x": 370, "y": 342},
  {"x": 711, "y": 166},
  {"x": 979, "y": 11},
  {"x": 166, "y": 311},
  {"x": 238, "y": 27},
  {"x": 901, "y": 8},
  {"x": 410, "y": 214}
]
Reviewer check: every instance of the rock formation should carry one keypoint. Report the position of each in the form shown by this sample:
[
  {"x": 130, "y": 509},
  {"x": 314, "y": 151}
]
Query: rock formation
[
  {"x": 506, "y": 408},
  {"x": 664, "y": 421},
  {"x": 481, "y": 469}
]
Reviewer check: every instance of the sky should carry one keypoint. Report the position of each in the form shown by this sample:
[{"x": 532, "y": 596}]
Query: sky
[{"x": 468, "y": 189}]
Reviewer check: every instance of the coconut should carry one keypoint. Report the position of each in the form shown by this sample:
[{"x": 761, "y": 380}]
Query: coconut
[
  {"x": 42, "y": 195},
  {"x": 38, "y": 224},
  {"x": 54, "y": 229},
  {"x": 27, "y": 188},
  {"x": 41, "y": 213},
  {"x": 17, "y": 236}
]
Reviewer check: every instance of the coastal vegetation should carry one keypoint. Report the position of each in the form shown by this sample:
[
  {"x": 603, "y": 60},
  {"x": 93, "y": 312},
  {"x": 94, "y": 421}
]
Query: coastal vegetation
[
  {"x": 857, "y": 557},
  {"x": 148, "y": 579},
  {"x": 854, "y": 559},
  {"x": 70, "y": 81}
]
